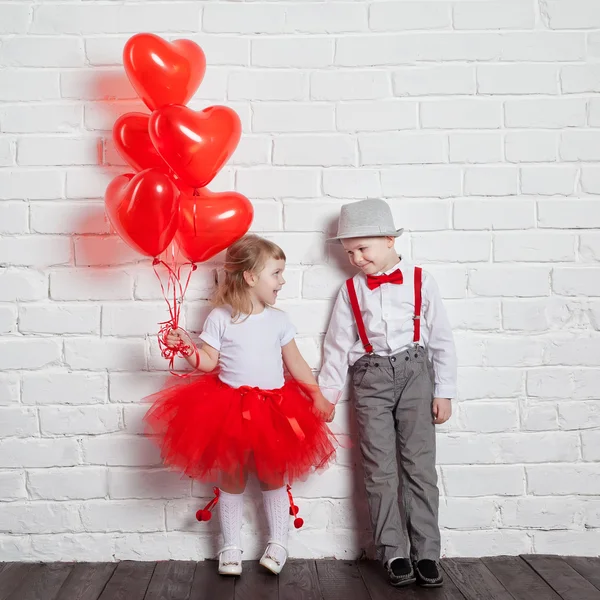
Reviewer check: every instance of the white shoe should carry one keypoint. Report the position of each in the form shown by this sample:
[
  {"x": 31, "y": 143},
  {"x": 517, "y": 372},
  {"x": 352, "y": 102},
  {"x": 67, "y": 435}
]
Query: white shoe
[
  {"x": 274, "y": 557},
  {"x": 230, "y": 561}
]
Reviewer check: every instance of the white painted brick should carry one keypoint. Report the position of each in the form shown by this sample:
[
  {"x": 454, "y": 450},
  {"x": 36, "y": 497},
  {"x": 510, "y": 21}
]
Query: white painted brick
[
  {"x": 41, "y": 51},
  {"x": 15, "y": 18},
  {"x": 579, "y": 415},
  {"x": 64, "y": 387},
  {"x": 267, "y": 216},
  {"x": 75, "y": 547},
  {"x": 351, "y": 183},
  {"x": 513, "y": 352},
  {"x": 563, "y": 480},
  {"x": 473, "y": 481},
  {"x": 13, "y": 547},
  {"x": 539, "y": 447},
  {"x": 81, "y": 284},
  {"x": 376, "y": 115},
  {"x": 68, "y": 217},
  {"x": 531, "y": 146},
  {"x": 147, "y": 286},
  {"x": 444, "y": 247},
  {"x": 577, "y": 79},
  {"x": 549, "y": 383},
  {"x": 350, "y": 85},
  {"x": 98, "y": 516},
  {"x": 576, "y": 351},
  {"x": 493, "y": 15},
  {"x": 80, "y": 420},
  {"x": 83, "y": 84},
  {"x": 274, "y": 182},
  {"x": 222, "y": 49},
  {"x": 47, "y": 118},
  {"x": 297, "y": 52},
  {"x": 580, "y": 543},
  {"x": 306, "y": 151},
  {"x": 13, "y": 217},
  {"x": 491, "y": 181},
  {"x": 102, "y": 115},
  {"x": 540, "y": 417},
  {"x": 244, "y": 18},
  {"x": 420, "y": 215},
  {"x": 339, "y": 17},
  {"x": 39, "y": 517},
  {"x": 7, "y": 152},
  {"x": 310, "y": 318},
  {"x": 133, "y": 418},
  {"x": 548, "y": 181},
  {"x": 144, "y": 483},
  {"x": 22, "y": 85},
  {"x": 38, "y": 453},
  {"x": 132, "y": 387},
  {"x": 451, "y": 280},
  {"x": 542, "y": 46},
  {"x": 579, "y": 146},
  {"x": 292, "y": 117},
  {"x": 445, "y": 79},
  {"x": 402, "y": 148},
  {"x": 133, "y": 319},
  {"x": 422, "y": 181},
  {"x": 576, "y": 14},
  {"x": 576, "y": 281},
  {"x": 121, "y": 451},
  {"x": 502, "y": 213},
  {"x": 77, "y": 483},
  {"x": 594, "y": 112},
  {"x": 42, "y": 151},
  {"x": 488, "y": 417},
  {"x": 547, "y": 113},
  {"x": 510, "y": 281},
  {"x": 541, "y": 513},
  {"x": 586, "y": 382},
  {"x": 113, "y": 354},
  {"x": 91, "y": 18},
  {"x": 18, "y": 422},
  {"x": 475, "y": 147},
  {"x": 50, "y": 318},
  {"x": 322, "y": 282},
  {"x": 479, "y": 383},
  {"x": 590, "y": 446},
  {"x": 336, "y": 482},
  {"x": 35, "y": 251},
  {"x": 9, "y": 388},
  {"x": 534, "y": 247},
  {"x": 29, "y": 353},
  {"x": 517, "y": 79},
  {"x": 590, "y": 180},
  {"x": 12, "y": 486},
  {"x": 520, "y": 315},
  {"x": 251, "y": 84},
  {"x": 463, "y": 513},
  {"x": 398, "y": 16},
  {"x": 8, "y": 319},
  {"x": 461, "y": 114},
  {"x": 32, "y": 185},
  {"x": 306, "y": 215}
]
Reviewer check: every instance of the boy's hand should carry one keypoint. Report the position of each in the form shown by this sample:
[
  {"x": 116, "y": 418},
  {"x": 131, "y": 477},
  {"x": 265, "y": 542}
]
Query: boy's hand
[
  {"x": 324, "y": 408},
  {"x": 442, "y": 410}
]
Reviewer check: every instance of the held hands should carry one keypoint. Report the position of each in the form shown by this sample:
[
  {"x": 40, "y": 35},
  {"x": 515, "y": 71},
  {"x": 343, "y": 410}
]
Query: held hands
[
  {"x": 324, "y": 408},
  {"x": 442, "y": 410}
]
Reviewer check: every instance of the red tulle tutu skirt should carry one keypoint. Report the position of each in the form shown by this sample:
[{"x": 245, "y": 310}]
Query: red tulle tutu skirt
[{"x": 206, "y": 428}]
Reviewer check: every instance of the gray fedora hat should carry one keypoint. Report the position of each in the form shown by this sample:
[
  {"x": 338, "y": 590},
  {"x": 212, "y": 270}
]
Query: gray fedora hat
[{"x": 366, "y": 218}]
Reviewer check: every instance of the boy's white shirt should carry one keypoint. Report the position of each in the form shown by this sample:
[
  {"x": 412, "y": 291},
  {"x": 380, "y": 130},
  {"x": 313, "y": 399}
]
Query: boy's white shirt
[{"x": 388, "y": 316}]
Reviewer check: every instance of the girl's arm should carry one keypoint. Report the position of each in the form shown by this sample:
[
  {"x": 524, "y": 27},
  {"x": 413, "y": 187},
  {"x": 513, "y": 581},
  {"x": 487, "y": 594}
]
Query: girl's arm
[
  {"x": 301, "y": 372},
  {"x": 203, "y": 359}
]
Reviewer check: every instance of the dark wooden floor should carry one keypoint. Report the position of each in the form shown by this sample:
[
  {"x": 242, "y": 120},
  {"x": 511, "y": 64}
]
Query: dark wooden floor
[{"x": 498, "y": 578}]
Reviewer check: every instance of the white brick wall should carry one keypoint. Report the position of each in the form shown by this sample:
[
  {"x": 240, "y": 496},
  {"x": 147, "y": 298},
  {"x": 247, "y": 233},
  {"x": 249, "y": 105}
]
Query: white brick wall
[{"x": 476, "y": 120}]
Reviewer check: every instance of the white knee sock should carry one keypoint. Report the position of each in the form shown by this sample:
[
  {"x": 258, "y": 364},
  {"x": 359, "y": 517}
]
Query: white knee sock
[
  {"x": 231, "y": 508},
  {"x": 277, "y": 508}
]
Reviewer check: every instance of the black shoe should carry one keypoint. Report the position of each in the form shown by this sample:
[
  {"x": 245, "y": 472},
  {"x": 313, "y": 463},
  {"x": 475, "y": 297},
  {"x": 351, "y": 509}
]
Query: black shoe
[
  {"x": 400, "y": 572},
  {"x": 428, "y": 574}
]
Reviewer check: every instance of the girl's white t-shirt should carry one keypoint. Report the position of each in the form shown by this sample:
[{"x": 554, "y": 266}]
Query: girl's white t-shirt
[{"x": 250, "y": 347}]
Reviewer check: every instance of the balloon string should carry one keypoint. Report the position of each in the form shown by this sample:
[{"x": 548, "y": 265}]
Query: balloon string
[{"x": 179, "y": 290}]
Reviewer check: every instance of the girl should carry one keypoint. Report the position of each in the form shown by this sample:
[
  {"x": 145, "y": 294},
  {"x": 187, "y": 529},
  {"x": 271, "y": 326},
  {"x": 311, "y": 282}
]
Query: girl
[{"x": 246, "y": 418}]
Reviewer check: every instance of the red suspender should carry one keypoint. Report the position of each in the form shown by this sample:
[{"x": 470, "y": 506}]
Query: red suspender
[
  {"x": 418, "y": 300},
  {"x": 360, "y": 324}
]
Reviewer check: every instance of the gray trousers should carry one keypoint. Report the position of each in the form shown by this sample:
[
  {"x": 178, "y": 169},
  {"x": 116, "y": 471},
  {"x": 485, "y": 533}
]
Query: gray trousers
[{"x": 393, "y": 399}]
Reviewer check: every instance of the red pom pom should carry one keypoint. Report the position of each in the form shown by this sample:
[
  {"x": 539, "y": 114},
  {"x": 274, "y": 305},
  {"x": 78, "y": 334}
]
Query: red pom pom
[
  {"x": 203, "y": 515},
  {"x": 298, "y": 522},
  {"x": 294, "y": 510}
]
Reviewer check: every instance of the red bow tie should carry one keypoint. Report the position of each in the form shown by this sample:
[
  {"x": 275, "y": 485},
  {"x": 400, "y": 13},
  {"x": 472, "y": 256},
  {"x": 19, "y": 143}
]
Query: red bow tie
[{"x": 374, "y": 281}]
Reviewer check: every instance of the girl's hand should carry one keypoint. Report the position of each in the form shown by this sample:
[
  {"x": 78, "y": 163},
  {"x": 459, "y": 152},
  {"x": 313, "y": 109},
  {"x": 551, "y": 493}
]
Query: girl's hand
[
  {"x": 177, "y": 336},
  {"x": 324, "y": 408},
  {"x": 442, "y": 410}
]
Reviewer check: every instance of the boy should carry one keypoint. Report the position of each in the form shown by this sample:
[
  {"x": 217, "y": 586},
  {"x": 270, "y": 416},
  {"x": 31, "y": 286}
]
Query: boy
[{"x": 389, "y": 328}]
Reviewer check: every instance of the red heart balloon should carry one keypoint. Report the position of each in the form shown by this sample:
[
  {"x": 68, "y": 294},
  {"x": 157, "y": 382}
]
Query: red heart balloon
[
  {"x": 163, "y": 72},
  {"x": 132, "y": 140},
  {"x": 210, "y": 222},
  {"x": 144, "y": 209},
  {"x": 195, "y": 144}
]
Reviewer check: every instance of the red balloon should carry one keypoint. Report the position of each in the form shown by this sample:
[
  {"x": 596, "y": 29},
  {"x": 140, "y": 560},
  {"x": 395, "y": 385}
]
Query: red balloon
[
  {"x": 195, "y": 144},
  {"x": 210, "y": 222},
  {"x": 144, "y": 209},
  {"x": 131, "y": 137},
  {"x": 163, "y": 72}
]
